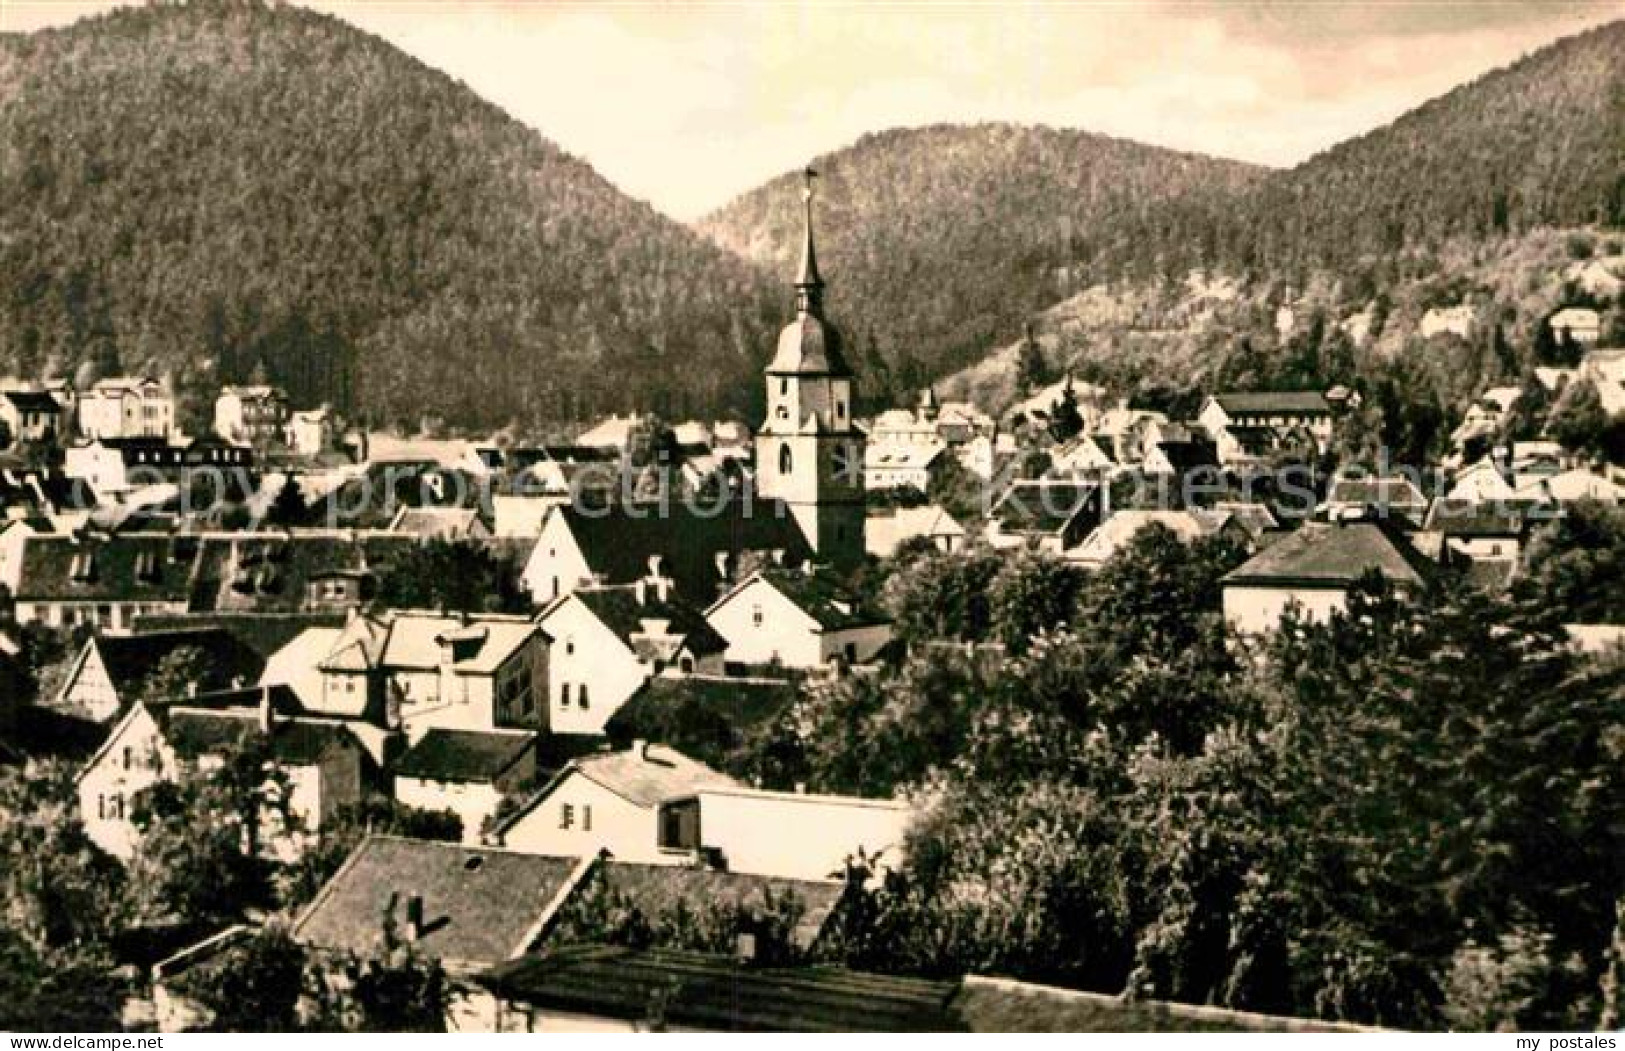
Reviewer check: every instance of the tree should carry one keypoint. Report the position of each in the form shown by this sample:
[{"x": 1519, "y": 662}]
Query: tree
[
  {"x": 1578, "y": 421},
  {"x": 254, "y": 987},
  {"x": 450, "y": 575},
  {"x": 202, "y": 851},
  {"x": 1032, "y": 371}
]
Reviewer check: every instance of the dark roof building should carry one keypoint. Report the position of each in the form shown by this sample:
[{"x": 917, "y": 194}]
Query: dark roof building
[
  {"x": 1242, "y": 404},
  {"x": 472, "y": 907},
  {"x": 1321, "y": 555},
  {"x": 1048, "y": 510},
  {"x": 718, "y": 993},
  {"x": 470, "y": 756}
]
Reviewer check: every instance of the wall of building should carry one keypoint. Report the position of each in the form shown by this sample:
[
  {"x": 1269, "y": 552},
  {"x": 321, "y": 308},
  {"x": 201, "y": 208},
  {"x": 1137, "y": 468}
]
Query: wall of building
[
  {"x": 1252, "y": 609},
  {"x": 625, "y": 829},
  {"x": 586, "y": 653},
  {"x": 749, "y": 830},
  {"x": 763, "y": 626}
]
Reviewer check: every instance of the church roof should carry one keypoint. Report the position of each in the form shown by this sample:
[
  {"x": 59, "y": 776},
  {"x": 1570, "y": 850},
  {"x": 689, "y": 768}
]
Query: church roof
[{"x": 809, "y": 346}]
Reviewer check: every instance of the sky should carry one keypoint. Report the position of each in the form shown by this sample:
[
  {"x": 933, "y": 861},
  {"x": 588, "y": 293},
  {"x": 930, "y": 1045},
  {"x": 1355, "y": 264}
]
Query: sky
[{"x": 685, "y": 105}]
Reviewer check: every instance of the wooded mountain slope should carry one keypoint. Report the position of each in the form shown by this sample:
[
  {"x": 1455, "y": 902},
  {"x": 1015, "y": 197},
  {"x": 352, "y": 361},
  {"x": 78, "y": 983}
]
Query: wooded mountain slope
[
  {"x": 194, "y": 190},
  {"x": 941, "y": 241},
  {"x": 937, "y": 242}
]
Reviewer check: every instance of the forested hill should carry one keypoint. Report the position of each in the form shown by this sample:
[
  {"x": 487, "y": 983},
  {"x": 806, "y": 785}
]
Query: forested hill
[
  {"x": 1539, "y": 143},
  {"x": 195, "y": 190},
  {"x": 942, "y": 240},
  {"x": 938, "y": 241}
]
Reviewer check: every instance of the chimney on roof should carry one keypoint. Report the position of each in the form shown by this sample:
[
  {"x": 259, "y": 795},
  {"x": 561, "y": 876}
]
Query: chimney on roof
[
  {"x": 266, "y": 715},
  {"x": 414, "y": 918},
  {"x": 777, "y": 556},
  {"x": 640, "y": 749}
]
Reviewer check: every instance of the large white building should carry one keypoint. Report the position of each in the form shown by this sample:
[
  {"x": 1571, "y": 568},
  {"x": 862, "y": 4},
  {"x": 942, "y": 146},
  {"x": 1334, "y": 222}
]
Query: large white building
[{"x": 125, "y": 407}]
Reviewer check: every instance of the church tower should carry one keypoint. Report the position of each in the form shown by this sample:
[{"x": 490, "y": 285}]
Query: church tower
[{"x": 809, "y": 454}]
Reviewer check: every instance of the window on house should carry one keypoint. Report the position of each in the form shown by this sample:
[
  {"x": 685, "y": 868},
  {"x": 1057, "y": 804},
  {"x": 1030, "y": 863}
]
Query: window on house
[
  {"x": 586, "y": 819},
  {"x": 785, "y": 462},
  {"x": 784, "y": 385},
  {"x": 129, "y": 757},
  {"x": 686, "y": 664},
  {"x": 756, "y": 615},
  {"x": 583, "y": 701},
  {"x": 567, "y": 816},
  {"x": 564, "y": 696},
  {"x": 569, "y": 646}
]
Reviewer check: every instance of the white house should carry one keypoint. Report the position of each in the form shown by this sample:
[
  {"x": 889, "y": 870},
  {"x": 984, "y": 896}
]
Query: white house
[
  {"x": 797, "y": 618},
  {"x": 467, "y": 772},
  {"x": 254, "y": 415},
  {"x": 608, "y": 640},
  {"x": 1313, "y": 569},
  {"x": 320, "y": 757},
  {"x": 29, "y": 416},
  {"x": 611, "y": 801},
  {"x": 1583, "y": 324},
  {"x": 898, "y": 464},
  {"x": 1480, "y": 482},
  {"x": 463, "y": 672},
  {"x": 310, "y": 431},
  {"x": 125, "y": 407},
  {"x": 889, "y": 528},
  {"x": 744, "y": 830},
  {"x": 1247, "y": 425},
  {"x": 1457, "y": 321},
  {"x": 63, "y": 580}
]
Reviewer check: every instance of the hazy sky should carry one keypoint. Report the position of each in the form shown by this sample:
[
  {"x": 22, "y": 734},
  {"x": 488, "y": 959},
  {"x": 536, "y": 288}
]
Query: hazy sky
[{"x": 686, "y": 105}]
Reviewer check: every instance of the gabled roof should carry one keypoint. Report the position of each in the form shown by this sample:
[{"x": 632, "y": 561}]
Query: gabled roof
[
  {"x": 480, "y": 905},
  {"x": 1284, "y": 402},
  {"x": 1376, "y": 492},
  {"x": 1044, "y": 505},
  {"x": 479, "y": 644},
  {"x": 722, "y": 994},
  {"x": 130, "y": 567},
  {"x": 1494, "y": 518},
  {"x": 129, "y": 659},
  {"x": 618, "y": 541},
  {"x": 271, "y": 573},
  {"x": 1115, "y": 533},
  {"x": 623, "y": 609},
  {"x": 464, "y": 755},
  {"x": 1320, "y": 555},
  {"x": 817, "y": 593},
  {"x": 1191, "y": 455},
  {"x": 438, "y": 522},
  {"x": 33, "y": 401},
  {"x": 644, "y": 775},
  {"x": 197, "y": 731}
]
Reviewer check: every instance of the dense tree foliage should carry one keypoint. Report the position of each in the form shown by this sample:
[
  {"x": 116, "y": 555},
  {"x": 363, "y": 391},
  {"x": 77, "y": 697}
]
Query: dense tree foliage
[
  {"x": 1405, "y": 816},
  {"x": 198, "y": 190}
]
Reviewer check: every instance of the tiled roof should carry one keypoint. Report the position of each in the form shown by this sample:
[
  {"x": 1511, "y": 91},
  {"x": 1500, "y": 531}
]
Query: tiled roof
[
  {"x": 480, "y": 644},
  {"x": 997, "y": 1005},
  {"x": 1492, "y": 518},
  {"x": 464, "y": 755},
  {"x": 1339, "y": 555},
  {"x": 1190, "y": 455},
  {"x": 822, "y": 596},
  {"x": 1377, "y": 492},
  {"x": 656, "y": 890},
  {"x": 295, "y": 742},
  {"x": 617, "y": 605},
  {"x": 618, "y": 541},
  {"x": 479, "y": 904},
  {"x": 1286, "y": 402},
  {"x": 720, "y": 993},
  {"x": 126, "y": 568},
  {"x": 646, "y": 776},
  {"x": 271, "y": 573},
  {"x": 1044, "y": 506},
  {"x": 33, "y": 401}
]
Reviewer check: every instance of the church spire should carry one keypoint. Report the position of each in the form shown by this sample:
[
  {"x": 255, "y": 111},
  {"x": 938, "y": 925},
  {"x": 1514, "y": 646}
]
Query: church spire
[{"x": 809, "y": 286}]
